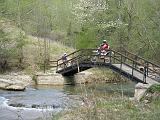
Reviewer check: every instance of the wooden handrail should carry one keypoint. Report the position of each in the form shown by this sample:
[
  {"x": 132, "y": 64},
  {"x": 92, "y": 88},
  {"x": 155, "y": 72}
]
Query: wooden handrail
[
  {"x": 82, "y": 53},
  {"x": 128, "y": 58},
  {"x": 149, "y": 62},
  {"x": 142, "y": 58},
  {"x": 67, "y": 61},
  {"x": 76, "y": 52},
  {"x": 71, "y": 54}
]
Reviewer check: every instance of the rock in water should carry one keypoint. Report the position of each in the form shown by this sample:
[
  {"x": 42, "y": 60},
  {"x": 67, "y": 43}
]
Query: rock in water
[
  {"x": 11, "y": 85},
  {"x": 16, "y": 87}
]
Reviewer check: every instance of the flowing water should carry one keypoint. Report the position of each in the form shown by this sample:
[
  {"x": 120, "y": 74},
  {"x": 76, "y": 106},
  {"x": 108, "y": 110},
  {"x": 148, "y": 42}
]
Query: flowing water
[{"x": 45, "y": 101}]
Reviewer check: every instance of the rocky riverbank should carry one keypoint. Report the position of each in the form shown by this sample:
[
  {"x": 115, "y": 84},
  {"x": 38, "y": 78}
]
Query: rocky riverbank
[
  {"x": 19, "y": 81},
  {"x": 14, "y": 81}
]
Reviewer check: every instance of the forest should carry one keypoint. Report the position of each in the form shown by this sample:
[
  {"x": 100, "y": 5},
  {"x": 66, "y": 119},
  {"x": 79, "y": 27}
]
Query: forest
[
  {"x": 53, "y": 68},
  {"x": 132, "y": 25}
]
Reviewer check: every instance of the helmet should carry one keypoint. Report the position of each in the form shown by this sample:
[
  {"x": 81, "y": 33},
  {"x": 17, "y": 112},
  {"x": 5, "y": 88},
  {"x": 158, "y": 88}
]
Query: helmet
[
  {"x": 65, "y": 53},
  {"x": 104, "y": 41}
]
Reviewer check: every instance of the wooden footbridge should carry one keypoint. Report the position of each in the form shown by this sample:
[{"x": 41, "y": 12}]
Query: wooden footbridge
[{"x": 125, "y": 63}]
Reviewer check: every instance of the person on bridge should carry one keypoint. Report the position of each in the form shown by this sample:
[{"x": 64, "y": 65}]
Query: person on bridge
[
  {"x": 104, "y": 48},
  {"x": 64, "y": 59}
]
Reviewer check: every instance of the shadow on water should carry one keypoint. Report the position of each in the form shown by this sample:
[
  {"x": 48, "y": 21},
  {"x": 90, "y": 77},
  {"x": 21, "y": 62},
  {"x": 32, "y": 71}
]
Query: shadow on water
[
  {"x": 102, "y": 89},
  {"x": 70, "y": 80}
]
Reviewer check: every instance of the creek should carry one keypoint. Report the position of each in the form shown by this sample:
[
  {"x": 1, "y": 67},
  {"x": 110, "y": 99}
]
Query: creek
[{"x": 46, "y": 101}]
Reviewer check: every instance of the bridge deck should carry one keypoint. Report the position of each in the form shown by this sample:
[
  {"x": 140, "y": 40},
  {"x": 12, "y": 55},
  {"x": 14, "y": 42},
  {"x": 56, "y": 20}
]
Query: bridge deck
[
  {"x": 122, "y": 69},
  {"x": 136, "y": 73},
  {"x": 126, "y": 64}
]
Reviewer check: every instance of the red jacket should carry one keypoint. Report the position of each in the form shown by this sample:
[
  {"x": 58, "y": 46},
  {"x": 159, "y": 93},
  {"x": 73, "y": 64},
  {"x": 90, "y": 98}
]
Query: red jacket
[{"x": 105, "y": 47}]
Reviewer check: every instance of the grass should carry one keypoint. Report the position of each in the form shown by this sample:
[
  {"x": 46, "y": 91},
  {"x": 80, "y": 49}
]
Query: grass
[
  {"x": 107, "y": 75},
  {"x": 110, "y": 107},
  {"x": 154, "y": 88},
  {"x": 115, "y": 109},
  {"x": 33, "y": 50},
  {"x": 34, "y": 53}
]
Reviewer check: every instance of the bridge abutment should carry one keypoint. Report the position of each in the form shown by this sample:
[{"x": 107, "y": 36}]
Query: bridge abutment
[
  {"x": 58, "y": 79},
  {"x": 140, "y": 90}
]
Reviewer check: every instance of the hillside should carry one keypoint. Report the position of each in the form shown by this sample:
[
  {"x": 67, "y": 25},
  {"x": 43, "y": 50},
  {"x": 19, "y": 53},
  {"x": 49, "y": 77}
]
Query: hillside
[
  {"x": 33, "y": 32},
  {"x": 32, "y": 50},
  {"x": 125, "y": 24}
]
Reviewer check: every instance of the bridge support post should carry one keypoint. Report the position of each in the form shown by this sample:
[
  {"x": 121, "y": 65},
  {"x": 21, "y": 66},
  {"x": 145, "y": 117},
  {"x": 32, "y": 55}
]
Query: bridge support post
[
  {"x": 125, "y": 53},
  {"x": 132, "y": 69},
  {"x": 57, "y": 66},
  {"x": 110, "y": 57},
  {"x": 121, "y": 63},
  {"x": 78, "y": 66},
  {"x": 147, "y": 64},
  {"x": 113, "y": 56},
  {"x": 136, "y": 59},
  {"x": 144, "y": 74}
]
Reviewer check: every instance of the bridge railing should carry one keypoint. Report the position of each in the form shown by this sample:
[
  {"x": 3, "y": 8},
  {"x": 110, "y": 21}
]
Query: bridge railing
[
  {"x": 147, "y": 68},
  {"x": 72, "y": 59},
  {"x": 152, "y": 69},
  {"x": 76, "y": 57}
]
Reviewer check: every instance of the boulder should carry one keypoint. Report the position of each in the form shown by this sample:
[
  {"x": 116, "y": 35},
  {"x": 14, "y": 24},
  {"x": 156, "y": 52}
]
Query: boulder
[
  {"x": 16, "y": 87},
  {"x": 11, "y": 85}
]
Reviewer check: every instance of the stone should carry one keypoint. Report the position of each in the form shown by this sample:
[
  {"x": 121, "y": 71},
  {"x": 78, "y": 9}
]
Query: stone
[
  {"x": 57, "y": 79},
  {"x": 55, "y": 106},
  {"x": 16, "y": 87},
  {"x": 158, "y": 78},
  {"x": 142, "y": 86},
  {"x": 35, "y": 106},
  {"x": 3, "y": 85},
  {"x": 26, "y": 79},
  {"x": 82, "y": 77},
  {"x": 50, "y": 79},
  {"x": 146, "y": 101},
  {"x": 8, "y": 82},
  {"x": 140, "y": 90},
  {"x": 17, "y": 105}
]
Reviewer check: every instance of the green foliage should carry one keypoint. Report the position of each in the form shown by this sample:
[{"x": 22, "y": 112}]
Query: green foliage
[
  {"x": 4, "y": 41},
  {"x": 154, "y": 88},
  {"x": 86, "y": 39},
  {"x": 12, "y": 41},
  {"x": 129, "y": 24},
  {"x": 132, "y": 25}
]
